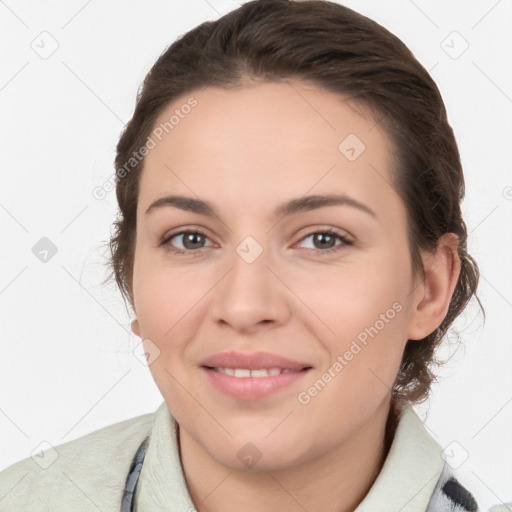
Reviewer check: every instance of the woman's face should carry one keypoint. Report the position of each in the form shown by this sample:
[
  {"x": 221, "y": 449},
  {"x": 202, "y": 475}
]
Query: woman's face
[{"x": 259, "y": 281}]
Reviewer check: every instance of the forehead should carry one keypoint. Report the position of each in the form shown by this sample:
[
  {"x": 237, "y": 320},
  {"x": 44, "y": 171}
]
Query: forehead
[{"x": 267, "y": 140}]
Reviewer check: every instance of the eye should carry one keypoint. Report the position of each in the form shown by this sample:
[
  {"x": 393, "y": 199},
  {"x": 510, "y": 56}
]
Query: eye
[
  {"x": 324, "y": 241},
  {"x": 192, "y": 241}
]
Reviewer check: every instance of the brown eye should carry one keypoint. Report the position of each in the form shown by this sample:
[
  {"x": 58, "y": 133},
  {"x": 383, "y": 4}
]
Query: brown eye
[
  {"x": 325, "y": 241},
  {"x": 191, "y": 241}
]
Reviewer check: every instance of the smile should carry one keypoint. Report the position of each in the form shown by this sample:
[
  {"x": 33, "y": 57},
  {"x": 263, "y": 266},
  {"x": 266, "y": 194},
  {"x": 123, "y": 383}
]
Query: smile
[
  {"x": 257, "y": 384},
  {"x": 245, "y": 372}
]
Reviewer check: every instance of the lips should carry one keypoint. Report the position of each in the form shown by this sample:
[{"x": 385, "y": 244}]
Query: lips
[
  {"x": 253, "y": 361},
  {"x": 252, "y": 376}
]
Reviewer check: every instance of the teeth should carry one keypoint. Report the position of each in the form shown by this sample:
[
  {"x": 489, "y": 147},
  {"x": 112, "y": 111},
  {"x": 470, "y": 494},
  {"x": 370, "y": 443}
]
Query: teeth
[{"x": 244, "y": 372}]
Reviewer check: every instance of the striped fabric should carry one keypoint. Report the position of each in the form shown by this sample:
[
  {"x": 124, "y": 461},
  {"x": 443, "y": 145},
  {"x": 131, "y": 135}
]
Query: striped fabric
[
  {"x": 127, "y": 503},
  {"x": 449, "y": 495}
]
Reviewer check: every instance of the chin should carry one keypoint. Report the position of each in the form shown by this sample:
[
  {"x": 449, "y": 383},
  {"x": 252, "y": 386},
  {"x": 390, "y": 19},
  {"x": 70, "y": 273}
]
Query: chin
[{"x": 250, "y": 460}]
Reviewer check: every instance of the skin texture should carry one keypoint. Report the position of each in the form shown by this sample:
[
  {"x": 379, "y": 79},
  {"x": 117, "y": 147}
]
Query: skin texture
[{"x": 247, "y": 151}]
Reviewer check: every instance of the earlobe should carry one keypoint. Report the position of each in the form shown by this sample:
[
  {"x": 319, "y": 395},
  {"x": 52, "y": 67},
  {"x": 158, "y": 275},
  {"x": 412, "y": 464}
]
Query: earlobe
[
  {"x": 136, "y": 327},
  {"x": 434, "y": 294}
]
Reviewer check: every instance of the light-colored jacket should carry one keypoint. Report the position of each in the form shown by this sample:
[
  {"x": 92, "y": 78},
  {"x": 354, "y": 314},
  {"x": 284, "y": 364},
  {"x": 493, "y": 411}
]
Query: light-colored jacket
[{"x": 90, "y": 473}]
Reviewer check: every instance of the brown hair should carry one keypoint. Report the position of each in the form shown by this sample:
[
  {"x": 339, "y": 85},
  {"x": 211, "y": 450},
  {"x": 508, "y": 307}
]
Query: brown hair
[{"x": 341, "y": 51}]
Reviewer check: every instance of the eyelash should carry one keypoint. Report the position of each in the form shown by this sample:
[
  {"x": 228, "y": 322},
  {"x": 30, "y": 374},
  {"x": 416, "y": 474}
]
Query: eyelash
[{"x": 346, "y": 242}]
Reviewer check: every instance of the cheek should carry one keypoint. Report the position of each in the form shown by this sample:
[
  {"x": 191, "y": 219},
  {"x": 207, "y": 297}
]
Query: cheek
[
  {"x": 364, "y": 361},
  {"x": 344, "y": 301},
  {"x": 164, "y": 296},
  {"x": 361, "y": 318}
]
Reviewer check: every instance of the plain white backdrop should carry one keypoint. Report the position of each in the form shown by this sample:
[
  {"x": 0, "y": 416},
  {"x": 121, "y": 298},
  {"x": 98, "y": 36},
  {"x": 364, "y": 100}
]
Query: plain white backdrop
[{"x": 68, "y": 80}]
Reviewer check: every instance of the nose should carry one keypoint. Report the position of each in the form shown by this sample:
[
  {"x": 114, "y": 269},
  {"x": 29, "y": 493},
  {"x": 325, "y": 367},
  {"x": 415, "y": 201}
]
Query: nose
[{"x": 251, "y": 296}]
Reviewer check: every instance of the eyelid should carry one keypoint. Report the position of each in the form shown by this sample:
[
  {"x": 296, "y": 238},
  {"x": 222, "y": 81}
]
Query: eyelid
[
  {"x": 168, "y": 236},
  {"x": 314, "y": 229},
  {"x": 346, "y": 239}
]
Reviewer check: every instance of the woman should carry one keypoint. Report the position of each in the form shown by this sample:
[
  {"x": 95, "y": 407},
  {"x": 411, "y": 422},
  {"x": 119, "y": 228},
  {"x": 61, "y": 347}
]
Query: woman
[{"x": 307, "y": 154}]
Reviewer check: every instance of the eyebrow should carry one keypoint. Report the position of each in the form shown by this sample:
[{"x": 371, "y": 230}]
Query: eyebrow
[{"x": 292, "y": 207}]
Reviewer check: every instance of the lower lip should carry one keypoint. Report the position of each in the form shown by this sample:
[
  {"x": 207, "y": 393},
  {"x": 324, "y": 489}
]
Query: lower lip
[{"x": 252, "y": 388}]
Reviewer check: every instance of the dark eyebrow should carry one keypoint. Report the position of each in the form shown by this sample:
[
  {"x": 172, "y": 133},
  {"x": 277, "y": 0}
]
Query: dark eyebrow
[{"x": 302, "y": 204}]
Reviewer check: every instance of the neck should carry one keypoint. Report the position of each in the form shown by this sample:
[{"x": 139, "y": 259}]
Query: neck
[{"x": 335, "y": 481}]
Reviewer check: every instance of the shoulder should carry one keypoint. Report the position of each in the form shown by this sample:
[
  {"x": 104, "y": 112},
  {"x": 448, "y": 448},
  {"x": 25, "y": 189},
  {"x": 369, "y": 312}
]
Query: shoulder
[
  {"x": 421, "y": 454},
  {"x": 88, "y": 472}
]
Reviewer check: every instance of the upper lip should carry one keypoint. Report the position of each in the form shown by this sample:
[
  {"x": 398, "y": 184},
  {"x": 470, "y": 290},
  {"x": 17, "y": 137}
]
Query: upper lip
[{"x": 252, "y": 361}]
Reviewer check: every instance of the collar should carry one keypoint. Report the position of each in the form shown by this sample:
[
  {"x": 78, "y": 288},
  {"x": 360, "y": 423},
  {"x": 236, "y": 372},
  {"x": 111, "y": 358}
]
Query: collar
[
  {"x": 406, "y": 481},
  {"x": 410, "y": 472},
  {"x": 161, "y": 484}
]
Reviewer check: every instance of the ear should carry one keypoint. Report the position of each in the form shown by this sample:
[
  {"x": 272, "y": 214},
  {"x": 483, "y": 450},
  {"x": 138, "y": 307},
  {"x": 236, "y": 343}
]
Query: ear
[
  {"x": 136, "y": 328},
  {"x": 433, "y": 294}
]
